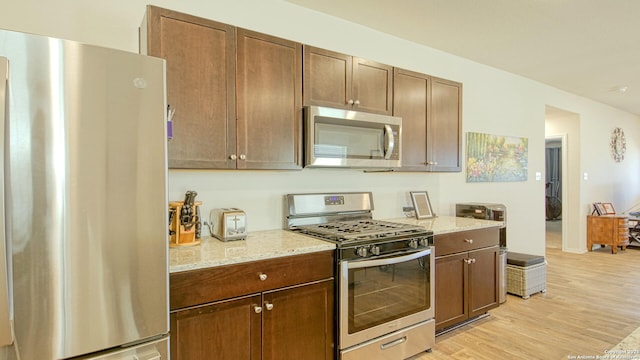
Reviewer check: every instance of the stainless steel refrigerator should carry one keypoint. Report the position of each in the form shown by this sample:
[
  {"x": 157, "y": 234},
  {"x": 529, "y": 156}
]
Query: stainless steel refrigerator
[{"x": 84, "y": 270}]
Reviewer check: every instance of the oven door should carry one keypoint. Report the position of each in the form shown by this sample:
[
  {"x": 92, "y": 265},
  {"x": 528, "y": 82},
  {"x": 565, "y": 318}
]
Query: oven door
[{"x": 385, "y": 294}]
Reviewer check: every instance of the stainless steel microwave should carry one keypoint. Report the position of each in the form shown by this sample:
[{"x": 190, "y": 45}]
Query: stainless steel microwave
[{"x": 351, "y": 139}]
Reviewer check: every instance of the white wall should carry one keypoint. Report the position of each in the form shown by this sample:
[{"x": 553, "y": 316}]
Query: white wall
[{"x": 494, "y": 102}]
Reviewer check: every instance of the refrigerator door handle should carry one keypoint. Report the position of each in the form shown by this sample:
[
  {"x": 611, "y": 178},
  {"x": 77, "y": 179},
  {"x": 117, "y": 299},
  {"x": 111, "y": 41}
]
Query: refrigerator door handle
[{"x": 6, "y": 335}]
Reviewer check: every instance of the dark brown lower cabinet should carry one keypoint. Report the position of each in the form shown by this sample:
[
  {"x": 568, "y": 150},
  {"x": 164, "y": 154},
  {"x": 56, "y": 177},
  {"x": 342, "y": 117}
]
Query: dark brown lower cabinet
[
  {"x": 300, "y": 324},
  {"x": 466, "y": 277},
  {"x": 222, "y": 330},
  {"x": 280, "y": 309},
  {"x": 451, "y": 300}
]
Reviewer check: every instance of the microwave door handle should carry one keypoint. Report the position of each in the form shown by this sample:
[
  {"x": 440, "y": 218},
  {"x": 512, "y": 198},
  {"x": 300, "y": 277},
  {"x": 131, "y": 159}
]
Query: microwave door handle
[{"x": 389, "y": 142}]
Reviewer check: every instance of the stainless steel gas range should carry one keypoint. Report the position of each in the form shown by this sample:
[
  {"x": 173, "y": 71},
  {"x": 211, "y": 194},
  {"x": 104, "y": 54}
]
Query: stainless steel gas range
[{"x": 385, "y": 274}]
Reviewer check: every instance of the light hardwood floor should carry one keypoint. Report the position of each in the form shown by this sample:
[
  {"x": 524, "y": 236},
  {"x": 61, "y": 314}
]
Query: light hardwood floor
[{"x": 592, "y": 303}]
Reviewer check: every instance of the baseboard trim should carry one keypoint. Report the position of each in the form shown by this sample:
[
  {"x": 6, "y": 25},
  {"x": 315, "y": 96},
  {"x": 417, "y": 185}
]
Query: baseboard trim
[{"x": 459, "y": 325}]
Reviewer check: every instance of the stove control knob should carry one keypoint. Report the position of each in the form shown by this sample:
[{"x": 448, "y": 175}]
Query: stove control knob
[
  {"x": 362, "y": 251},
  {"x": 413, "y": 244},
  {"x": 375, "y": 250},
  {"x": 424, "y": 242}
]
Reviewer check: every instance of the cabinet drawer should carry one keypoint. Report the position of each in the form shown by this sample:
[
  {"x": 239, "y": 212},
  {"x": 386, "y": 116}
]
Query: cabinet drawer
[
  {"x": 196, "y": 287},
  {"x": 465, "y": 240},
  {"x": 623, "y": 236}
]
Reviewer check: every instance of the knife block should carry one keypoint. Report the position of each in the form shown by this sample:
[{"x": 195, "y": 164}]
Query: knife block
[{"x": 179, "y": 235}]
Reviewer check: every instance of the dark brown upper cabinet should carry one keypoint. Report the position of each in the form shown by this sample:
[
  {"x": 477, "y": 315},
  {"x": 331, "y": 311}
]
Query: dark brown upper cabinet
[
  {"x": 269, "y": 102},
  {"x": 431, "y": 114},
  {"x": 237, "y": 94},
  {"x": 342, "y": 81}
]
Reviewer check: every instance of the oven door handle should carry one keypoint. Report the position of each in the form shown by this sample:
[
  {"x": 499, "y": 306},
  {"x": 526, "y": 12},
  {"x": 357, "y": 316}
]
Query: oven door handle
[{"x": 388, "y": 260}]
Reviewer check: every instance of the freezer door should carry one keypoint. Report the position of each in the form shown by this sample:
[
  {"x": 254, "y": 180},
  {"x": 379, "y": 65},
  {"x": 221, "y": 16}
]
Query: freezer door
[
  {"x": 86, "y": 196},
  {"x": 154, "y": 350},
  {"x": 6, "y": 337}
]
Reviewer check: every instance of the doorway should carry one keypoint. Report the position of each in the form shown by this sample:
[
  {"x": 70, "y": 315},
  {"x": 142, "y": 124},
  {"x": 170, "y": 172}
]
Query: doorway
[
  {"x": 553, "y": 190},
  {"x": 563, "y": 127}
]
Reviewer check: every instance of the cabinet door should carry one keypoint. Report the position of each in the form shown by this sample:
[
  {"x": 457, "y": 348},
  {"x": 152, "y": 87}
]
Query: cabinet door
[
  {"x": 410, "y": 102},
  {"x": 444, "y": 145},
  {"x": 600, "y": 230},
  {"x": 327, "y": 78},
  {"x": 200, "y": 57},
  {"x": 269, "y": 102},
  {"x": 223, "y": 330},
  {"x": 300, "y": 323},
  {"x": 372, "y": 86},
  {"x": 451, "y": 290},
  {"x": 483, "y": 280}
]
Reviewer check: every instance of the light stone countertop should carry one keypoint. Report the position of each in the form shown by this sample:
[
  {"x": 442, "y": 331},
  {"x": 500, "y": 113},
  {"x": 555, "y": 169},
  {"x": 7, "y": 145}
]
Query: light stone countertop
[
  {"x": 628, "y": 348},
  {"x": 269, "y": 244},
  {"x": 449, "y": 224},
  {"x": 259, "y": 245}
]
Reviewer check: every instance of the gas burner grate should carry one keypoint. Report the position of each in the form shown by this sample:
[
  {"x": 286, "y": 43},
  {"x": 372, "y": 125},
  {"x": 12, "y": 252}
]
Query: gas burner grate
[{"x": 359, "y": 230}]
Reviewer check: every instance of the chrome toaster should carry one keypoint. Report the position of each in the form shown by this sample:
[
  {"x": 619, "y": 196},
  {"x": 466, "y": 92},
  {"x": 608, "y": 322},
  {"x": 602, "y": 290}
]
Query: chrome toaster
[{"x": 228, "y": 224}]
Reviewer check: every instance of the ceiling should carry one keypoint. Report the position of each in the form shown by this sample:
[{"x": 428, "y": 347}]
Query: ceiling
[{"x": 586, "y": 47}]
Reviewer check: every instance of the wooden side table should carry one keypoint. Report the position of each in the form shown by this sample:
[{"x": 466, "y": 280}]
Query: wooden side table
[{"x": 610, "y": 230}]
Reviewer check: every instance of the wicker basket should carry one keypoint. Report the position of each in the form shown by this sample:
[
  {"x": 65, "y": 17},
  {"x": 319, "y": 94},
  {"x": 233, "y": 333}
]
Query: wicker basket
[{"x": 524, "y": 281}]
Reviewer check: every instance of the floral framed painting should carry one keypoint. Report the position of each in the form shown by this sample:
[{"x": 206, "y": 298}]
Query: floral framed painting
[{"x": 496, "y": 158}]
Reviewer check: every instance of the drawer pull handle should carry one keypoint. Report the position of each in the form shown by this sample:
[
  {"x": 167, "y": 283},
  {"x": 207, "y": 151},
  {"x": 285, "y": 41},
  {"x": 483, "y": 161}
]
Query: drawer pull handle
[
  {"x": 470, "y": 241},
  {"x": 262, "y": 276},
  {"x": 257, "y": 309},
  {"x": 393, "y": 343},
  {"x": 268, "y": 305}
]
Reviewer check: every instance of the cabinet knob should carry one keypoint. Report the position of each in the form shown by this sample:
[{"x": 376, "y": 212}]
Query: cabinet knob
[
  {"x": 357, "y": 102},
  {"x": 257, "y": 309},
  {"x": 262, "y": 276},
  {"x": 472, "y": 261},
  {"x": 470, "y": 241},
  {"x": 243, "y": 157},
  {"x": 233, "y": 156},
  {"x": 268, "y": 305},
  {"x": 350, "y": 102}
]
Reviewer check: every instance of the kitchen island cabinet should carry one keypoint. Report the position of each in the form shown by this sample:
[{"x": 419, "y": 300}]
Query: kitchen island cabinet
[
  {"x": 342, "y": 81},
  {"x": 280, "y": 308},
  {"x": 466, "y": 275},
  {"x": 431, "y": 111},
  {"x": 237, "y": 94}
]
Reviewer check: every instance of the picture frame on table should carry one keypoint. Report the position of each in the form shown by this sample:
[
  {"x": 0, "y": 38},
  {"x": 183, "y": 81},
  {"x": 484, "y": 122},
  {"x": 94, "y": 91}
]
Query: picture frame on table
[
  {"x": 608, "y": 208},
  {"x": 598, "y": 208},
  {"x": 422, "y": 205}
]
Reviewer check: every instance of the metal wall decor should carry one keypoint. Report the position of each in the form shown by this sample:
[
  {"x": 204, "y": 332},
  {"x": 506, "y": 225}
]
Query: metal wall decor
[{"x": 618, "y": 144}]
